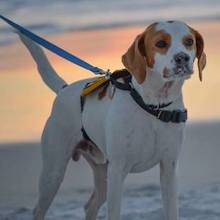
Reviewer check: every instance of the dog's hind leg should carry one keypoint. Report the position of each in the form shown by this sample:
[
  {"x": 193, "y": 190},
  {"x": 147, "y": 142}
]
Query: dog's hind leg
[
  {"x": 98, "y": 196},
  {"x": 56, "y": 151}
]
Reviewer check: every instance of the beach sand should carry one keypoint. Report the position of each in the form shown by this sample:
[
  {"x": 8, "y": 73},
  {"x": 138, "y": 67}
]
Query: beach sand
[
  {"x": 199, "y": 181},
  {"x": 26, "y": 103}
]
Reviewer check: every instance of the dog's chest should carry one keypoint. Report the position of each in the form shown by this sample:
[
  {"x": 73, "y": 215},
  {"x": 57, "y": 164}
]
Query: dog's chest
[
  {"x": 142, "y": 151},
  {"x": 161, "y": 141},
  {"x": 144, "y": 147},
  {"x": 125, "y": 130}
]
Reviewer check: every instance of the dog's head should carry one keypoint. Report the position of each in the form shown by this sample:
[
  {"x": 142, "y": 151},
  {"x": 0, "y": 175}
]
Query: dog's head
[{"x": 167, "y": 49}]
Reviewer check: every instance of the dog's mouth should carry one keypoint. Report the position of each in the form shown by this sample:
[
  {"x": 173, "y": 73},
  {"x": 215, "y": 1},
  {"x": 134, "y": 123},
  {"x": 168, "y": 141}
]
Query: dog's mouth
[
  {"x": 182, "y": 70},
  {"x": 179, "y": 71}
]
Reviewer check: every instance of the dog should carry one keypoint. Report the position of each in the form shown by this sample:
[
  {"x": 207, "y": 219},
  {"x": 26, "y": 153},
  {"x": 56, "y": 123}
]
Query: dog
[{"x": 123, "y": 137}]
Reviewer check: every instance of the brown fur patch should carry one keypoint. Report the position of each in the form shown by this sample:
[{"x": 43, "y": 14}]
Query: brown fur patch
[
  {"x": 143, "y": 50},
  {"x": 151, "y": 38},
  {"x": 200, "y": 54}
]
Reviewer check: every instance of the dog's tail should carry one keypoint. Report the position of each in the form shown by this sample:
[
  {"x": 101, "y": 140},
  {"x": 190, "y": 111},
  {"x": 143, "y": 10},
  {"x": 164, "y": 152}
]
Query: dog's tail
[{"x": 48, "y": 74}]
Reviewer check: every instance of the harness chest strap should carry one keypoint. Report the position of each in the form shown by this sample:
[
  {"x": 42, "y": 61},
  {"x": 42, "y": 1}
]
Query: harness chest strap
[{"x": 175, "y": 116}]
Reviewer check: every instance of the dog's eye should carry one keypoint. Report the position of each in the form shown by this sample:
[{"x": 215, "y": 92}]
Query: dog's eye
[
  {"x": 161, "y": 44},
  {"x": 188, "y": 42}
]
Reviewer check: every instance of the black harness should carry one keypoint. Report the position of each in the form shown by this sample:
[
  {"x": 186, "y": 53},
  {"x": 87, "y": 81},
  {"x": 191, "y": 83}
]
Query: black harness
[{"x": 175, "y": 116}]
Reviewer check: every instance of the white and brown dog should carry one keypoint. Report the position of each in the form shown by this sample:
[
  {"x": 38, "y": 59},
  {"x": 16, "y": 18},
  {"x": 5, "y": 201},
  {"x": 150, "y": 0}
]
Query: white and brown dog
[{"x": 128, "y": 139}]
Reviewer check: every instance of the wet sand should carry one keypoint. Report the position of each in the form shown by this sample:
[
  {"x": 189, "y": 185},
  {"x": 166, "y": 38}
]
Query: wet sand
[{"x": 20, "y": 166}]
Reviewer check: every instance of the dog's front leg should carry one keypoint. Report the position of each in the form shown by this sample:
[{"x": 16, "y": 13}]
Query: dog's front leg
[
  {"x": 115, "y": 179},
  {"x": 169, "y": 189}
]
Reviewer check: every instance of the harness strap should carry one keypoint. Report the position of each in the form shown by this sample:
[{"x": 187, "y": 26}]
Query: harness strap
[
  {"x": 85, "y": 135},
  {"x": 175, "y": 116}
]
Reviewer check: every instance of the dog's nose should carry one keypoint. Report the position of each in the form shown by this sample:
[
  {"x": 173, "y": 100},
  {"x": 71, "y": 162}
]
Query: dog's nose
[{"x": 181, "y": 58}]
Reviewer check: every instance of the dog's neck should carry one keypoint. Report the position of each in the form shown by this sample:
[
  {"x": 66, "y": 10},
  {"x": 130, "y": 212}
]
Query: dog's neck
[{"x": 155, "y": 91}]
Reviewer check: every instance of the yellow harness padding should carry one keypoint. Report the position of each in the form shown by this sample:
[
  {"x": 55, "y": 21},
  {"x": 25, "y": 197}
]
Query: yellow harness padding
[{"x": 99, "y": 82}]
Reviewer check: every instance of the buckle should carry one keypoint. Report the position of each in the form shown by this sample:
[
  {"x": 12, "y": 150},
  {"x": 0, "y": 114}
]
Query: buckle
[
  {"x": 179, "y": 116},
  {"x": 164, "y": 116}
]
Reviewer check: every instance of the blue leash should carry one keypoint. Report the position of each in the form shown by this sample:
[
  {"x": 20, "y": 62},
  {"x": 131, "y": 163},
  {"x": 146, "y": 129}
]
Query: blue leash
[{"x": 52, "y": 47}]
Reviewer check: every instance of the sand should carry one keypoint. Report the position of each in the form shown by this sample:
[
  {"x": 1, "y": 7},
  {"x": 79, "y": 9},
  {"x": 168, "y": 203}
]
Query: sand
[{"x": 20, "y": 166}]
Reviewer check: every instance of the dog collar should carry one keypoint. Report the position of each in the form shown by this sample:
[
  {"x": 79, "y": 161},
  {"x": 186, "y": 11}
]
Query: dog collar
[{"x": 175, "y": 116}]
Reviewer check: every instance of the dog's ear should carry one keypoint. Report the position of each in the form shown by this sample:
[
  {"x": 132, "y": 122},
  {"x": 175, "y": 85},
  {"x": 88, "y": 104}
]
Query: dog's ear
[
  {"x": 200, "y": 54},
  {"x": 134, "y": 59}
]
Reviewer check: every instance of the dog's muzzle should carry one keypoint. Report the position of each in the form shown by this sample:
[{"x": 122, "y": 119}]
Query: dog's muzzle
[{"x": 182, "y": 64}]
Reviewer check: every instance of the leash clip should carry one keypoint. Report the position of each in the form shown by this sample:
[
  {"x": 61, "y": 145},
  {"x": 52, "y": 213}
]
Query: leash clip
[{"x": 107, "y": 74}]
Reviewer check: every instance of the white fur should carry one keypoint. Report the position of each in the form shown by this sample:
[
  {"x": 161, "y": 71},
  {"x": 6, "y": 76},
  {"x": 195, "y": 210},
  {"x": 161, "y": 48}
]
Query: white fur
[{"x": 130, "y": 139}]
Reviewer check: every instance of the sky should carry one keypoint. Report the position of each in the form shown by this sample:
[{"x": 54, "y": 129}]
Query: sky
[{"x": 26, "y": 102}]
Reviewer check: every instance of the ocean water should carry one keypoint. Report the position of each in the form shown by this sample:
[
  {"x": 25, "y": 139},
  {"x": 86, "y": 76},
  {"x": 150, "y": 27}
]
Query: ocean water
[
  {"x": 52, "y": 16},
  {"x": 139, "y": 204}
]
